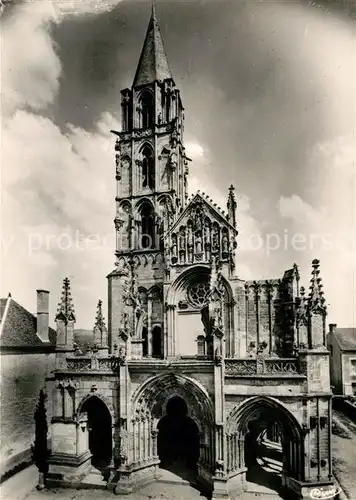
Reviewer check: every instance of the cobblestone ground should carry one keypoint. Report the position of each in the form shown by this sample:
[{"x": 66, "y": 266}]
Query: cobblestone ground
[
  {"x": 344, "y": 453},
  {"x": 21, "y": 486},
  {"x": 155, "y": 491}
]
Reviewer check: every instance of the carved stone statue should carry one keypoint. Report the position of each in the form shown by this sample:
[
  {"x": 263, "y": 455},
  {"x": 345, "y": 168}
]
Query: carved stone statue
[
  {"x": 198, "y": 224},
  {"x": 174, "y": 250},
  {"x": 207, "y": 233},
  {"x": 217, "y": 357},
  {"x": 173, "y": 158},
  {"x": 225, "y": 243},
  {"x": 125, "y": 323},
  {"x": 182, "y": 239},
  {"x": 118, "y": 166},
  {"x": 214, "y": 275},
  {"x": 215, "y": 241},
  {"x": 198, "y": 244},
  {"x": 190, "y": 237},
  {"x": 122, "y": 354}
]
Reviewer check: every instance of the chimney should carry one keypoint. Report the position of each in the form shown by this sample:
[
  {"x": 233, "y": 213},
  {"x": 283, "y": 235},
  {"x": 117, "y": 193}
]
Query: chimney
[
  {"x": 332, "y": 328},
  {"x": 42, "y": 315}
]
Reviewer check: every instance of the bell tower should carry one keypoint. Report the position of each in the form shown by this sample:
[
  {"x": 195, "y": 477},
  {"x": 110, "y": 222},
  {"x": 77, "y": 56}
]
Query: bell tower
[
  {"x": 151, "y": 183},
  {"x": 151, "y": 165}
]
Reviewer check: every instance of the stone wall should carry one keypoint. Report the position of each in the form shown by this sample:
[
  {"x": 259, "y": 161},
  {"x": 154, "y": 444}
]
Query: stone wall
[{"x": 22, "y": 377}]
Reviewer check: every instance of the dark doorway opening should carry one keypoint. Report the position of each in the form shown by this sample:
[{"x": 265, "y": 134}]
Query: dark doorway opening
[
  {"x": 100, "y": 433},
  {"x": 263, "y": 456},
  {"x": 178, "y": 440},
  {"x": 156, "y": 342}
]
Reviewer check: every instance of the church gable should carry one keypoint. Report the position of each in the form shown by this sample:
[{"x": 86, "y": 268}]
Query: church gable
[{"x": 200, "y": 232}]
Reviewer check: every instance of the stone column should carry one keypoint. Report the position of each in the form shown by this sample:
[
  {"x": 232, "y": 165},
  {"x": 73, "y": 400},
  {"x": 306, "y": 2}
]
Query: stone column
[
  {"x": 149, "y": 326},
  {"x": 154, "y": 434}
]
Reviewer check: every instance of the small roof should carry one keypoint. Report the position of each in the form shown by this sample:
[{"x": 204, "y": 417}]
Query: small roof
[
  {"x": 346, "y": 338},
  {"x": 19, "y": 326},
  {"x": 153, "y": 64}
]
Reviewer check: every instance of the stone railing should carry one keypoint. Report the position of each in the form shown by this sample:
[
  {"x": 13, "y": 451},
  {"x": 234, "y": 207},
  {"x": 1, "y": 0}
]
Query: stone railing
[
  {"x": 79, "y": 364},
  {"x": 262, "y": 366}
]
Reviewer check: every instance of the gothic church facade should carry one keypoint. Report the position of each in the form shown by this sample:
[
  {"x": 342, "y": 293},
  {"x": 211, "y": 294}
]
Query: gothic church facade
[{"x": 198, "y": 368}]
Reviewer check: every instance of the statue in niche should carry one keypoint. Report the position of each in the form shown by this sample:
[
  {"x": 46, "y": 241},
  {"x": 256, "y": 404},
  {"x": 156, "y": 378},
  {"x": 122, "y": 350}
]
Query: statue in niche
[
  {"x": 190, "y": 236},
  {"x": 190, "y": 243},
  {"x": 174, "y": 249},
  {"x": 215, "y": 241},
  {"x": 173, "y": 156},
  {"x": 207, "y": 233},
  {"x": 182, "y": 239},
  {"x": 125, "y": 323},
  {"x": 198, "y": 244},
  {"x": 225, "y": 244},
  {"x": 214, "y": 275},
  {"x": 198, "y": 224}
]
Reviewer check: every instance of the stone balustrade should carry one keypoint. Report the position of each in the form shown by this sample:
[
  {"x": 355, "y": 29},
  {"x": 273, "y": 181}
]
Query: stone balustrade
[
  {"x": 83, "y": 364},
  {"x": 263, "y": 366}
]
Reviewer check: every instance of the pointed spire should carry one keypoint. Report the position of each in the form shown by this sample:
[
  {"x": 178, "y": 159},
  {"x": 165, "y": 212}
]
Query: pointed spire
[
  {"x": 231, "y": 206},
  {"x": 316, "y": 294},
  {"x": 100, "y": 330},
  {"x": 99, "y": 319},
  {"x": 153, "y": 63},
  {"x": 65, "y": 308}
]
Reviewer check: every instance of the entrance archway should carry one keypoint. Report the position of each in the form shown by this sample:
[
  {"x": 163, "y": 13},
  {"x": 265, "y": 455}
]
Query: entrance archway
[
  {"x": 178, "y": 439},
  {"x": 263, "y": 456},
  {"x": 265, "y": 445},
  {"x": 100, "y": 431},
  {"x": 173, "y": 425}
]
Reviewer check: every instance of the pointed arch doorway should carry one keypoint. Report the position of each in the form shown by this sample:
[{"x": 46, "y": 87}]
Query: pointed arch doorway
[
  {"x": 178, "y": 440},
  {"x": 100, "y": 431},
  {"x": 265, "y": 446}
]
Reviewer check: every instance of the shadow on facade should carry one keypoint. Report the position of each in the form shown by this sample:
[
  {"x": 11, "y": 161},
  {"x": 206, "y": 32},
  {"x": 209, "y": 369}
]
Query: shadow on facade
[
  {"x": 178, "y": 441},
  {"x": 100, "y": 433},
  {"x": 263, "y": 457}
]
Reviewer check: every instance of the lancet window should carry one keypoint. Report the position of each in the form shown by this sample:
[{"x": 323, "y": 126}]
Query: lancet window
[
  {"x": 147, "y": 236},
  {"x": 147, "y": 107},
  {"x": 148, "y": 170}
]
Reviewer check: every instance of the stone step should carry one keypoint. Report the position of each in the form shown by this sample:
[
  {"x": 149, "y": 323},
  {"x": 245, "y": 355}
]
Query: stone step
[
  {"x": 93, "y": 480},
  {"x": 168, "y": 491}
]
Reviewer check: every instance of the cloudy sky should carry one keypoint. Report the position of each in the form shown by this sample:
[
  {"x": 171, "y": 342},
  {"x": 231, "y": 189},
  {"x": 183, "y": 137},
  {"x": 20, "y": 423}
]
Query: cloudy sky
[{"x": 269, "y": 91}]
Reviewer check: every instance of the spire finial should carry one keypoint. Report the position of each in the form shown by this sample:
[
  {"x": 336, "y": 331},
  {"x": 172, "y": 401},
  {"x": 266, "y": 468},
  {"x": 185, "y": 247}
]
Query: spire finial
[
  {"x": 65, "y": 308},
  {"x": 99, "y": 319},
  {"x": 231, "y": 206},
  {"x": 100, "y": 331},
  {"x": 153, "y": 8},
  {"x": 316, "y": 294}
]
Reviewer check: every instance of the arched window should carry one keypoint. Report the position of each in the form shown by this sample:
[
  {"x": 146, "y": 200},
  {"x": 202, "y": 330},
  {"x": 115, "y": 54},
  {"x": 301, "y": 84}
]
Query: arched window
[
  {"x": 168, "y": 108},
  {"x": 148, "y": 168},
  {"x": 147, "y": 226},
  {"x": 157, "y": 342},
  {"x": 145, "y": 342},
  {"x": 147, "y": 105}
]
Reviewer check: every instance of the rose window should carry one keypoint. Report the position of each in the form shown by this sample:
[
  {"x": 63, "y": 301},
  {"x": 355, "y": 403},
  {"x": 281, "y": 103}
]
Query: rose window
[{"x": 198, "y": 294}]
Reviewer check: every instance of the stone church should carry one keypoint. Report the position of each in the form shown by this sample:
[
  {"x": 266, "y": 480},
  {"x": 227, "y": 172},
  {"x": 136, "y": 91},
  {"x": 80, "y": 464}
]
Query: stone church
[{"x": 199, "y": 373}]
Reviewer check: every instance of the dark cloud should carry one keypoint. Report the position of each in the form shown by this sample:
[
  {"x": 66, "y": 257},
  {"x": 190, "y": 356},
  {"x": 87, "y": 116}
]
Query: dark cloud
[{"x": 249, "y": 92}]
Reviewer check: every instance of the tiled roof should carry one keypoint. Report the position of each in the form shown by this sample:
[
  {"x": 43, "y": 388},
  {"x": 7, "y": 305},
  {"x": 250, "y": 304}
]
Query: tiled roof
[
  {"x": 2, "y": 307},
  {"x": 346, "y": 338},
  {"x": 19, "y": 326}
]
